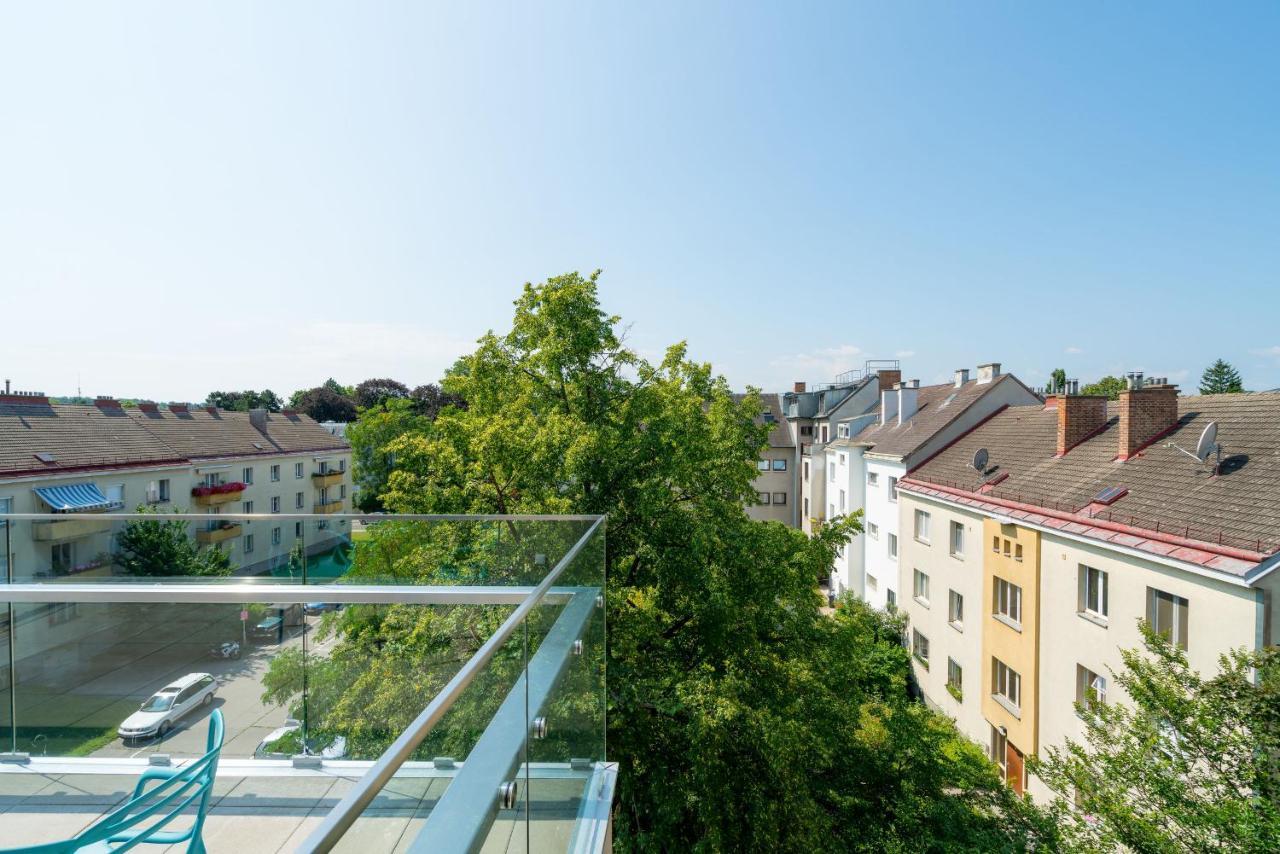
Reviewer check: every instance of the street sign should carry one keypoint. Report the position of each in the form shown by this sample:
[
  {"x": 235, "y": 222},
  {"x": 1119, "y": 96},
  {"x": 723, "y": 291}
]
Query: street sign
[{"x": 244, "y": 616}]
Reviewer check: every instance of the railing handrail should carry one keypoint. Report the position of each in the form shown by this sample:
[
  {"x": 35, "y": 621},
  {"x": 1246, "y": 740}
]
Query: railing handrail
[
  {"x": 206, "y": 593},
  {"x": 344, "y": 814},
  {"x": 360, "y": 517}
]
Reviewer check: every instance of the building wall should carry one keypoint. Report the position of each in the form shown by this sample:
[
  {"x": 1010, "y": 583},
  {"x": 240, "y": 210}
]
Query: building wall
[
  {"x": 883, "y": 512},
  {"x": 847, "y": 573},
  {"x": 814, "y": 488},
  {"x": 961, "y": 642},
  {"x": 775, "y": 488}
]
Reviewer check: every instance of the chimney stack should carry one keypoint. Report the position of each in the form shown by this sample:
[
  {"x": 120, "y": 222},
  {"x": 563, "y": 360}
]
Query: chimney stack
[
  {"x": 798, "y": 388},
  {"x": 988, "y": 372},
  {"x": 149, "y": 406},
  {"x": 907, "y": 394},
  {"x": 103, "y": 402},
  {"x": 888, "y": 406},
  {"x": 1079, "y": 417},
  {"x": 889, "y": 379},
  {"x": 962, "y": 377},
  {"x": 1147, "y": 412},
  {"x": 258, "y": 418},
  {"x": 178, "y": 408}
]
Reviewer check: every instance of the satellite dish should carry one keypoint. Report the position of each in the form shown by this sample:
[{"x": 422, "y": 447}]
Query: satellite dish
[
  {"x": 980, "y": 459},
  {"x": 1208, "y": 441}
]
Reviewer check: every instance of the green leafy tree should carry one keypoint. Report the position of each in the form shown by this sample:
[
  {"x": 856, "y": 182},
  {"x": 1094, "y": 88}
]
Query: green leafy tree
[
  {"x": 1109, "y": 387},
  {"x": 1188, "y": 764},
  {"x": 243, "y": 401},
  {"x": 1057, "y": 379},
  {"x": 1220, "y": 378},
  {"x": 743, "y": 719},
  {"x": 430, "y": 399},
  {"x": 374, "y": 392},
  {"x": 324, "y": 404},
  {"x": 370, "y": 436},
  {"x": 161, "y": 548}
]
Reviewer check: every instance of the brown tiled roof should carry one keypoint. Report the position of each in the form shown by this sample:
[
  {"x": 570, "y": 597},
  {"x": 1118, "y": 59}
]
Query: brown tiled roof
[
  {"x": 1168, "y": 492},
  {"x": 87, "y": 437},
  {"x": 77, "y": 437},
  {"x": 936, "y": 407},
  {"x": 780, "y": 435},
  {"x": 199, "y": 434}
]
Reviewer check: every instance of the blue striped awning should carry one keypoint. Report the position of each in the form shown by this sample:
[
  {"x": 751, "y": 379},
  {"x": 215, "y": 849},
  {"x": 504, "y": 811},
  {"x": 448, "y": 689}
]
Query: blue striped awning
[{"x": 80, "y": 496}]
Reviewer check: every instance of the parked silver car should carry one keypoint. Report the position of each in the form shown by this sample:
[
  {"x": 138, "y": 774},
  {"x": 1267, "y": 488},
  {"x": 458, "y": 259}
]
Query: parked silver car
[{"x": 156, "y": 717}]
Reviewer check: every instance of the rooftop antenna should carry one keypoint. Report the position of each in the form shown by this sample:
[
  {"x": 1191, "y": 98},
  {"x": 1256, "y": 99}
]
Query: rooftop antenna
[{"x": 1207, "y": 445}]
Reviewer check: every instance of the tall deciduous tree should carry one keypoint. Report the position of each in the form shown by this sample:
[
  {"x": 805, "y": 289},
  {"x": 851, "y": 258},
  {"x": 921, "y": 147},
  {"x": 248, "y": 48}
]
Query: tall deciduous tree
[
  {"x": 324, "y": 404},
  {"x": 1220, "y": 378},
  {"x": 1057, "y": 379},
  {"x": 1108, "y": 386},
  {"x": 743, "y": 719},
  {"x": 243, "y": 401},
  {"x": 373, "y": 392},
  {"x": 1185, "y": 764},
  {"x": 159, "y": 548}
]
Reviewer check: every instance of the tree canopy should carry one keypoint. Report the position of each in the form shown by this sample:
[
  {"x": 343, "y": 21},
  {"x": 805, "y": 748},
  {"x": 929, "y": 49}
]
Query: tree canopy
[
  {"x": 743, "y": 719},
  {"x": 373, "y": 392},
  {"x": 243, "y": 401},
  {"x": 1108, "y": 386},
  {"x": 324, "y": 404},
  {"x": 1220, "y": 378},
  {"x": 160, "y": 548},
  {"x": 1057, "y": 379},
  {"x": 1187, "y": 764}
]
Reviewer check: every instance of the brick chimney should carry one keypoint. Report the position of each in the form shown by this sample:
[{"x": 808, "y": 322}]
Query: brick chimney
[
  {"x": 907, "y": 400},
  {"x": 889, "y": 379},
  {"x": 23, "y": 398},
  {"x": 1079, "y": 417},
  {"x": 107, "y": 403},
  {"x": 149, "y": 406},
  {"x": 798, "y": 387},
  {"x": 178, "y": 408},
  {"x": 1147, "y": 412}
]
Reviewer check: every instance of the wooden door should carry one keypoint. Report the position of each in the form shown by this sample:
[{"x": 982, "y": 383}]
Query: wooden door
[{"x": 1014, "y": 765}]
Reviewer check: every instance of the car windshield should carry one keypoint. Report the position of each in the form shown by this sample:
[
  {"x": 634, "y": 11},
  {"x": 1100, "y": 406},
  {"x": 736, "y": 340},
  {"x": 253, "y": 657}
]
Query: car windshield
[{"x": 159, "y": 703}]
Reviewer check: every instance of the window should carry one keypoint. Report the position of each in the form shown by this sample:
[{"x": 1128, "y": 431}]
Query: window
[
  {"x": 1093, "y": 592},
  {"x": 1006, "y": 548},
  {"x": 275, "y": 473},
  {"x": 1167, "y": 615},
  {"x": 842, "y": 501},
  {"x": 1006, "y": 684},
  {"x": 893, "y": 489},
  {"x": 1091, "y": 689},
  {"x": 297, "y": 470},
  {"x": 922, "y": 526},
  {"x": 843, "y": 459},
  {"x": 806, "y": 430},
  {"x": 873, "y": 478},
  {"x": 806, "y": 470},
  {"x": 61, "y": 558},
  {"x": 890, "y": 601},
  {"x": 831, "y": 472},
  {"x": 779, "y": 465},
  {"x": 1017, "y": 552},
  {"x": 762, "y": 465},
  {"x": 1007, "y": 601},
  {"x": 806, "y": 508},
  {"x": 246, "y": 477},
  {"x": 824, "y": 434},
  {"x": 778, "y": 497},
  {"x": 275, "y": 504},
  {"x": 275, "y": 536},
  {"x": 297, "y": 529},
  {"x": 164, "y": 489},
  {"x": 248, "y": 507},
  {"x": 762, "y": 497},
  {"x": 248, "y": 543},
  {"x": 831, "y": 511},
  {"x": 920, "y": 587},
  {"x": 342, "y": 465},
  {"x": 957, "y": 540},
  {"x": 955, "y": 679},
  {"x": 871, "y": 582},
  {"x": 893, "y": 547},
  {"x": 920, "y": 647},
  {"x": 873, "y": 530},
  {"x": 842, "y": 431},
  {"x": 342, "y": 493},
  {"x": 955, "y": 609},
  {"x": 995, "y": 544},
  {"x": 298, "y": 500},
  {"x": 1000, "y": 750}
]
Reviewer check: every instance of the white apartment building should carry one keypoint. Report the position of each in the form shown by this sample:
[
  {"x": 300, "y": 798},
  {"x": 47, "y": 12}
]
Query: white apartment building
[
  {"x": 1024, "y": 580},
  {"x": 94, "y": 459},
  {"x": 909, "y": 425}
]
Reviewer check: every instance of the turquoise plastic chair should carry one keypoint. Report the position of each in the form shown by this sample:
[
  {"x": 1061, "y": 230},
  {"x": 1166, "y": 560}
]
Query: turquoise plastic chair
[{"x": 143, "y": 818}]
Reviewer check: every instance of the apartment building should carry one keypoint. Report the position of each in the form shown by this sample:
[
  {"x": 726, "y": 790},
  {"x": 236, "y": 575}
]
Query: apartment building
[
  {"x": 815, "y": 417},
  {"x": 58, "y": 458},
  {"x": 775, "y": 481},
  {"x": 1035, "y": 543},
  {"x": 912, "y": 423}
]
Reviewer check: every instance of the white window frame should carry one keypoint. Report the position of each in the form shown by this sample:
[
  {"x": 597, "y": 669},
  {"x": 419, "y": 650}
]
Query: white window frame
[
  {"x": 1006, "y": 685},
  {"x": 298, "y": 471},
  {"x": 247, "y": 476},
  {"x": 275, "y": 473},
  {"x": 1006, "y": 602},
  {"x": 873, "y": 530},
  {"x": 919, "y": 644},
  {"x": 1180, "y": 608},
  {"x": 1091, "y": 687},
  {"x": 1093, "y": 592},
  {"x": 956, "y": 544},
  {"x": 275, "y": 536},
  {"x": 893, "y": 546},
  {"x": 248, "y": 543},
  {"x": 955, "y": 610},
  {"x": 893, "y": 490},
  {"x": 299, "y": 500},
  {"x": 920, "y": 587},
  {"x": 275, "y": 504},
  {"x": 873, "y": 478},
  {"x": 921, "y": 531}
]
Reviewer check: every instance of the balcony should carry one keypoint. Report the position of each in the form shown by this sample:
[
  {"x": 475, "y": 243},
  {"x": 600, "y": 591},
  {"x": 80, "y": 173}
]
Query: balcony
[
  {"x": 326, "y": 507},
  {"x": 415, "y": 755},
  {"x": 60, "y": 530},
  {"x": 224, "y": 531},
  {"x": 321, "y": 479},
  {"x": 215, "y": 496}
]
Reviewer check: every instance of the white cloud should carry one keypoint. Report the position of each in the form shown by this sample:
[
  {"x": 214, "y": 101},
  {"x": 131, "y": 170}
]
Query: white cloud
[
  {"x": 1073, "y": 351},
  {"x": 819, "y": 365},
  {"x": 904, "y": 354},
  {"x": 1273, "y": 352}
]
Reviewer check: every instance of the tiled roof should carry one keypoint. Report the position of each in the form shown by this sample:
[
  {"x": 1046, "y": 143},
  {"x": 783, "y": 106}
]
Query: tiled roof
[
  {"x": 75, "y": 437},
  {"x": 88, "y": 437},
  {"x": 1170, "y": 496},
  {"x": 780, "y": 435},
  {"x": 936, "y": 407},
  {"x": 199, "y": 434}
]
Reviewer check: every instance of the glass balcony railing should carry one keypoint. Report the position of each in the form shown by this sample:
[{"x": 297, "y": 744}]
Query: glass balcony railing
[{"x": 386, "y": 682}]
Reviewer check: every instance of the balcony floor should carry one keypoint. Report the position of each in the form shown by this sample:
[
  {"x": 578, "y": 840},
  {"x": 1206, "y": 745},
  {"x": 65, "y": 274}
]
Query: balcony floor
[{"x": 276, "y": 810}]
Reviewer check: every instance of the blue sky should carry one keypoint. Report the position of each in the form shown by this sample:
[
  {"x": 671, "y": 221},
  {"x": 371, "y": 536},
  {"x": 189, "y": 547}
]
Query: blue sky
[{"x": 248, "y": 195}]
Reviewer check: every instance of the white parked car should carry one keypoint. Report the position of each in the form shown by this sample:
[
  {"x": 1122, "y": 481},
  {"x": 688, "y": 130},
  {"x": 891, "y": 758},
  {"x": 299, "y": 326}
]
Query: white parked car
[{"x": 164, "y": 708}]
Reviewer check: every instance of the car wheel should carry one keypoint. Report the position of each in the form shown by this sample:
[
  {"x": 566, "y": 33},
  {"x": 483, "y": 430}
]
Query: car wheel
[
  {"x": 208, "y": 699},
  {"x": 165, "y": 729}
]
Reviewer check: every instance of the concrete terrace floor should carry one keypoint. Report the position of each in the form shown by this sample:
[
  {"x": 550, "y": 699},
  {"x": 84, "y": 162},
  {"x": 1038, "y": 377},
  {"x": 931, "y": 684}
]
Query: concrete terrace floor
[{"x": 275, "y": 812}]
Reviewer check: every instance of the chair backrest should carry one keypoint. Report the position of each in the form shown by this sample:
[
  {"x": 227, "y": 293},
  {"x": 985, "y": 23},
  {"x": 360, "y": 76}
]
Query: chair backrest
[{"x": 157, "y": 806}]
